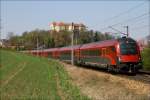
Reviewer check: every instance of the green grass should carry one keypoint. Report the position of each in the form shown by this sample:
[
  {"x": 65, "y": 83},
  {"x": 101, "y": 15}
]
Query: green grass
[
  {"x": 27, "y": 77},
  {"x": 146, "y": 58}
]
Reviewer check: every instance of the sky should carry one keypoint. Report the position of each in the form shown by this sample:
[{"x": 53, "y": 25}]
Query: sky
[{"x": 20, "y": 16}]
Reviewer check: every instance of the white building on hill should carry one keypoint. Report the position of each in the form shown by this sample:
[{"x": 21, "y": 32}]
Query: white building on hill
[{"x": 60, "y": 26}]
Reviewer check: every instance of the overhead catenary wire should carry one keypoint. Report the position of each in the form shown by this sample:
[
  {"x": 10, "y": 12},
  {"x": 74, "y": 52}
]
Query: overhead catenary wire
[
  {"x": 144, "y": 19},
  {"x": 131, "y": 19},
  {"x": 123, "y": 13},
  {"x": 139, "y": 27}
]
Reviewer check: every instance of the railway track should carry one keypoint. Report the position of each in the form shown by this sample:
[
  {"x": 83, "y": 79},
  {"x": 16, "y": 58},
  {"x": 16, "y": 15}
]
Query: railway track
[
  {"x": 144, "y": 72},
  {"x": 145, "y": 78},
  {"x": 142, "y": 76}
]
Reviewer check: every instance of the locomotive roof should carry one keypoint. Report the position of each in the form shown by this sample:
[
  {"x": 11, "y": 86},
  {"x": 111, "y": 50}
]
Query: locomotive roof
[
  {"x": 51, "y": 49},
  {"x": 100, "y": 44},
  {"x": 69, "y": 48},
  {"x": 89, "y": 45},
  {"x": 106, "y": 43},
  {"x": 123, "y": 39}
]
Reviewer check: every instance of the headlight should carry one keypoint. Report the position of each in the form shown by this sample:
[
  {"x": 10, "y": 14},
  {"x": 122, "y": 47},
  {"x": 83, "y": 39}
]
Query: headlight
[{"x": 119, "y": 59}]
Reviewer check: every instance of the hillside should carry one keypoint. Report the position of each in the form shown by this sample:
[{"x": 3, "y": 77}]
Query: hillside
[{"x": 27, "y": 77}]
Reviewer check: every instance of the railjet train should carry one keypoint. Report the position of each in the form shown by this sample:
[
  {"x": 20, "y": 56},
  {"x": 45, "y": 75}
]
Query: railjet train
[{"x": 122, "y": 54}]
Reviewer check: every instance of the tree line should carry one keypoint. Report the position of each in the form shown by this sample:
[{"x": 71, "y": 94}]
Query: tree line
[{"x": 44, "y": 39}]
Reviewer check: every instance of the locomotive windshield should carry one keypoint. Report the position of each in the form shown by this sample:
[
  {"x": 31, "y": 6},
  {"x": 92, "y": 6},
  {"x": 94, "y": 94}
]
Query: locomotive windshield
[{"x": 128, "y": 46}]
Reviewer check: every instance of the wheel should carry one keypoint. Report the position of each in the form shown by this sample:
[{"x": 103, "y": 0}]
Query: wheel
[
  {"x": 109, "y": 69},
  {"x": 133, "y": 70}
]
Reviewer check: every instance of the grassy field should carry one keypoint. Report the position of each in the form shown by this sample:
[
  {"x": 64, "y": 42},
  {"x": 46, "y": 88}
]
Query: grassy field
[
  {"x": 146, "y": 58},
  {"x": 27, "y": 77}
]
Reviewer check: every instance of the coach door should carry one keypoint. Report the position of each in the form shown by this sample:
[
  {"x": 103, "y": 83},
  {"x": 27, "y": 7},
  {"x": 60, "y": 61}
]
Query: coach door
[
  {"x": 103, "y": 51},
  {"x": 103, "y": 56}
]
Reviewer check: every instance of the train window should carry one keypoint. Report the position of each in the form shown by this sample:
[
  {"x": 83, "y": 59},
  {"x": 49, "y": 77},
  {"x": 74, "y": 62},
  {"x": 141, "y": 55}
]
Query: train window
[
  {"x": 110, "y": 50},
  {"x": 50, "y": 54},
  {"x": 94, "y": 52},
  {"x": 100, "y": 52},
  {"x": 85, "y": 52},
  {"x": 91, "y": 52},
  {"x": 107, "y": 51},
  {"x": 66, "y": 55},
  {"x": 113, "y": 49}
]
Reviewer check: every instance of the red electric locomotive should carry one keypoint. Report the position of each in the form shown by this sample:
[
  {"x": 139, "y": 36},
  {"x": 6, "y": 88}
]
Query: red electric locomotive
[{"x": 121, "y": 54}]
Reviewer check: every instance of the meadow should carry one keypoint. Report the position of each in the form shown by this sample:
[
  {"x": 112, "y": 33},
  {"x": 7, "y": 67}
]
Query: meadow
[{"x": 24, "y": 76}]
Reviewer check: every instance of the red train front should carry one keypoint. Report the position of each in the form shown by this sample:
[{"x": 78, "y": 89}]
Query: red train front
[{"x": 129, "y": 58}]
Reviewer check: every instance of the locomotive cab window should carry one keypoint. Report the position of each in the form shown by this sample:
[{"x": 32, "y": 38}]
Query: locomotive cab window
[{"x": 128, "y": 48}]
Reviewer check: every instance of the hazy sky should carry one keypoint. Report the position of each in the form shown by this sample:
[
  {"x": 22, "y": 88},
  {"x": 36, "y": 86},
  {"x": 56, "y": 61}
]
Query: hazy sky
[{"x": 20, "y": 16}]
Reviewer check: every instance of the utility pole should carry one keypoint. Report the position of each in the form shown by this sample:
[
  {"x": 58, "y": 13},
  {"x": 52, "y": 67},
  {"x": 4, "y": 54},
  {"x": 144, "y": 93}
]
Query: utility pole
[
  {"x": 149, "y": 21},
  {"x": 127, "y": 27},
  {"x": 37, "y": 45},
  {"x": 149, "y": 16},
  {"x": 76, "y": 39},
  {"x": 0, "y": 26},
  {"x": 76, "y": 35},
  {"x": 72, "y": 39}
]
